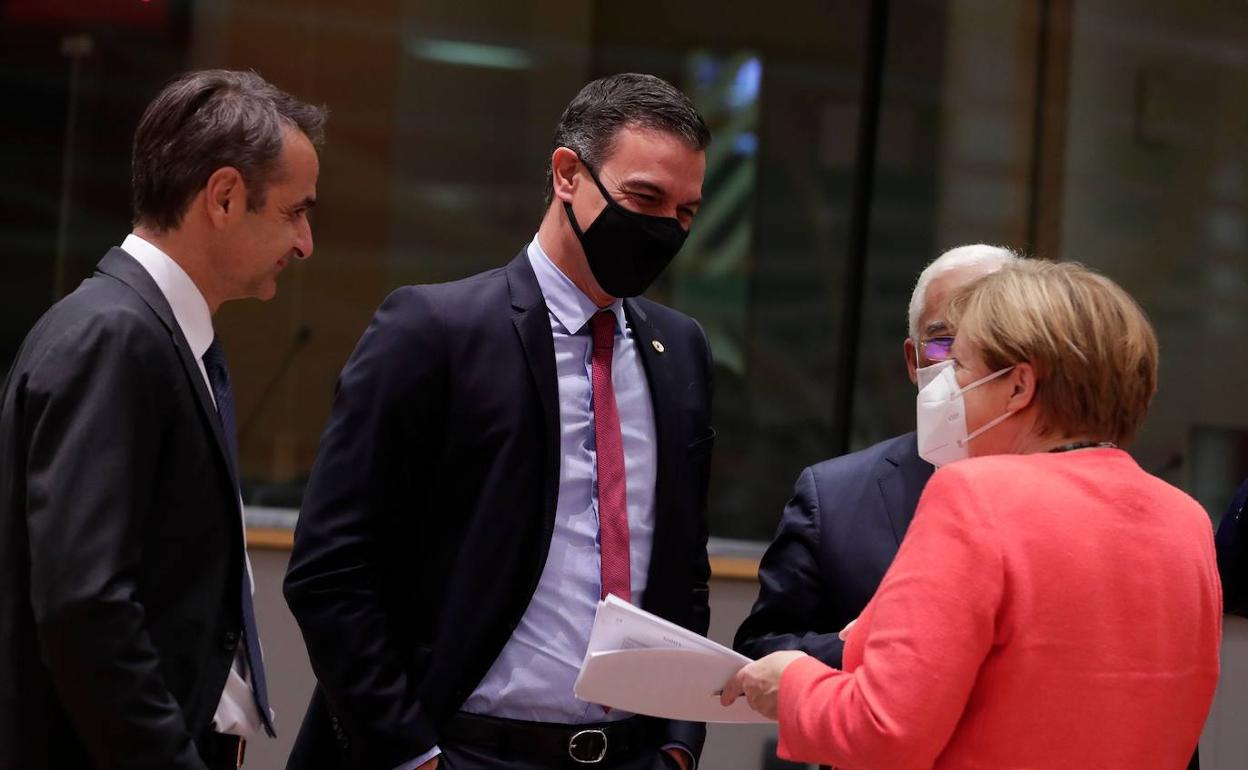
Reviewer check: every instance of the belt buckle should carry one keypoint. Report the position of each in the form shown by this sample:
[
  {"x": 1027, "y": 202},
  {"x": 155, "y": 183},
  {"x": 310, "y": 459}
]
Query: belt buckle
[
  {"x": 580, "y": 750},
  {"x": 242, "y": 753}
]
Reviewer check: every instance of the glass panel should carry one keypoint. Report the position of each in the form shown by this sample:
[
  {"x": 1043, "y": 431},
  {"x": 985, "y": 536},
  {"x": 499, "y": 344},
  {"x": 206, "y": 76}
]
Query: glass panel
[
  {"x": 442, "y": 115},
  {"x": 776, "y": 327},
  {"x": 954, "y": 153},
  {"x": 75, "y": 78},
  {"x": 1156, "y": 196},
  {"x": 442, "y": 112}
]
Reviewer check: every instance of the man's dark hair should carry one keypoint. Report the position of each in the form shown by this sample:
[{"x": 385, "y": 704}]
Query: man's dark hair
[
  {"x": 203, "y": 121},
  {"x": 590, "y": 123}
]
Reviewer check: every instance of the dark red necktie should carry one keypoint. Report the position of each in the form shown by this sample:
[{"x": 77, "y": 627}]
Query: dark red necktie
[{"x": 612, "y": 497}]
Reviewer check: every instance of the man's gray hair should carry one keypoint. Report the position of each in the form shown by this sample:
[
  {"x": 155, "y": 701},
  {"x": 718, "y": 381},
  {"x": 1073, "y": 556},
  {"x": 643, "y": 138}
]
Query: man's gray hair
[
  {"x": 991, "y": 258},
  {"x": 206, "y": 120}
]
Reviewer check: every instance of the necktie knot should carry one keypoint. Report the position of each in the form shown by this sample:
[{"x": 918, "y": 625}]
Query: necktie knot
[
  {"x": 602, "y": 325},
  {"x": 219, "y": 383},
  {"x": 214, "y": 356},
  {"x": 215, "y": 362}
]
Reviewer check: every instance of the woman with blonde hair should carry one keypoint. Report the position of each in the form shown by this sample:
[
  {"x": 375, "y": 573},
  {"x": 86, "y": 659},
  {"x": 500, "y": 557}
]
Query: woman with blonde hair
[{"x": 1053, "y": 605}]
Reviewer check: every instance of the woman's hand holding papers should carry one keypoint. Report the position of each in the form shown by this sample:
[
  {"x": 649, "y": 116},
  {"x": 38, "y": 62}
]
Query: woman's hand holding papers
[{"x": 759, "y": 682}]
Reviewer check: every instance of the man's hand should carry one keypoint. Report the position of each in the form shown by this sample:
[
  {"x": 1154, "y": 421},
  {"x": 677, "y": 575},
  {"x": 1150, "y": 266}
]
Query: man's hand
[
  {"x": 759, "y": 682},
  {"x": 431, "y": 764},
  {"x": 681, "y": 757}
]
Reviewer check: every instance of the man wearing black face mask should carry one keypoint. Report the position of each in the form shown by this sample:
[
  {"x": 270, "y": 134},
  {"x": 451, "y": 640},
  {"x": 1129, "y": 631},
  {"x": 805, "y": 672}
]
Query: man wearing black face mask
[{"x": 504, "y": 452}]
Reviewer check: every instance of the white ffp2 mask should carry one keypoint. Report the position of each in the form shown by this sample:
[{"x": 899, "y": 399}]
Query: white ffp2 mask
[
  {"x": 925, "y": 374},
  {"x": 941, "y": 415}
]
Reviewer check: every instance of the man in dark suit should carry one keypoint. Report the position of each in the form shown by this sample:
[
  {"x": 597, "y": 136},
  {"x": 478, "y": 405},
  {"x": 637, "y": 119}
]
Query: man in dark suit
[
  {"x": 841, "y": 530},
  {"x": 127, "y": 638},
  {"x": 503, "y": 452}
]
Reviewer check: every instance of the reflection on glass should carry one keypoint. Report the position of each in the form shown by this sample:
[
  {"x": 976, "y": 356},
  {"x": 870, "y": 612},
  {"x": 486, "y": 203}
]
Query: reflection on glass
[
  {"x": 1156, "y": 197},
  {"x": 441, "y": 130}
]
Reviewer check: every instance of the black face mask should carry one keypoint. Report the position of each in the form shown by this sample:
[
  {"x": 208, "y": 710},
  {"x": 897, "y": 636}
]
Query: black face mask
[{"x": 626, "y": 250}]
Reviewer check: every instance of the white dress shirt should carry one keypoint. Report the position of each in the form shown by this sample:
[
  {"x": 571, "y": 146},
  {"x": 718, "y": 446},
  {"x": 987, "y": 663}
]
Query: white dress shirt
[{"x": 236, "y": 712}]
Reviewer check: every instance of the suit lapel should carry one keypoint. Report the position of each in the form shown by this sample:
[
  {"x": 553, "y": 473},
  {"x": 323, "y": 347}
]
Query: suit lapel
[
  {"x": 532, "y": 322},
  {"x": 120, "y": 265},
  {"x": 901, "y": 483},
  {"x": 658, "y": 377}
]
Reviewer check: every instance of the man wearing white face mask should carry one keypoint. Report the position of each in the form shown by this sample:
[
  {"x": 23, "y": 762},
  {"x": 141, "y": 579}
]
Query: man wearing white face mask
[{"x": 842, "y": 528}]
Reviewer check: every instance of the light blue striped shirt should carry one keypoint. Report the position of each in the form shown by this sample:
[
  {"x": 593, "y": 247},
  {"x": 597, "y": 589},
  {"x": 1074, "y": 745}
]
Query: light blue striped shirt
[{"x": 533, "y": 676}]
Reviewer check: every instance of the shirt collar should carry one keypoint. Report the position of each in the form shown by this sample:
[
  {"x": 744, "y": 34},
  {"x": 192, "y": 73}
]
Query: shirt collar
[
  {"x": 566, "y": 302},
  {"x": 190, "y": 309}
]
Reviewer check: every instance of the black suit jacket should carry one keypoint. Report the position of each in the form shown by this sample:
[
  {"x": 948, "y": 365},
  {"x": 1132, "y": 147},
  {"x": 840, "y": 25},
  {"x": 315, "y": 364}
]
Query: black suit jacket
[
  {"x": 120, "y": 539},
  {"x": 429, "y": 514},
  {"x": 836, "y": 540}
]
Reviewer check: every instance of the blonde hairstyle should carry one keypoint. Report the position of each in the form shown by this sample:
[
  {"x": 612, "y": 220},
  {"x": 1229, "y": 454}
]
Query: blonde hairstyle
[{"x": 1093, "y": 350}]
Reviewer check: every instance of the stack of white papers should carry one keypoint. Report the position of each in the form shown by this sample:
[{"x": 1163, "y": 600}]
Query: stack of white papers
[{"x": 641, "y": 663}]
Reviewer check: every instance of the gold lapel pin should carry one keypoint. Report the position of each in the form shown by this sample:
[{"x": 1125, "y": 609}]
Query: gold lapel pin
[{"x": 658, "y": 346}]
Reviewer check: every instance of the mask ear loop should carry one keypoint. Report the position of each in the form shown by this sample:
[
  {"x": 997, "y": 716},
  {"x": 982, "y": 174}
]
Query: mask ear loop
[
  {"x": 986, "y": 426},
  {"x": 611, "y": 202},
  {"x": 982, "y": 380},
  {"x": 993, "y": 422},
  {"x": 601, "y": 188},
  {"x": 567, "y": 209}
]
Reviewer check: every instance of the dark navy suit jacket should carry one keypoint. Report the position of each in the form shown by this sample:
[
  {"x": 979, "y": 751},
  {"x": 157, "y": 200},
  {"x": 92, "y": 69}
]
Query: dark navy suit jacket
[
  {"x": 836, "y": 540},
  {"x": 1232, "y": 544},
  {"x": 428, "y": 517}
]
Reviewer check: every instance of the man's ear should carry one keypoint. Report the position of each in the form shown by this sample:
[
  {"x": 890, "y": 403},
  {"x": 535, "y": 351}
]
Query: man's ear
[
  {"x": 563, "y": 166},
  {"x": 912, "y": 359},
  {"x": 225, "y": 195}
]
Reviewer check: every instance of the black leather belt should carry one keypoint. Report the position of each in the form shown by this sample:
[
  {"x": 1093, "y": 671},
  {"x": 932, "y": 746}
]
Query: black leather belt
[
  {"x": 587, "y": 744},
  {"x": 222, "y": 752}
]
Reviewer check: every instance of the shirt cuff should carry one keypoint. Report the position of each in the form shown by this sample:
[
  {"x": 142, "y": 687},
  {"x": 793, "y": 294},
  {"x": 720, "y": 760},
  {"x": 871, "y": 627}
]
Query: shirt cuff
[
  {"x": 422, "y": 759},
  {"x": 693, "y": 762}
]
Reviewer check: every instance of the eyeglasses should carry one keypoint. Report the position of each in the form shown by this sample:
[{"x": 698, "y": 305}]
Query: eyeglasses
[{"x": 936, "y": 348}]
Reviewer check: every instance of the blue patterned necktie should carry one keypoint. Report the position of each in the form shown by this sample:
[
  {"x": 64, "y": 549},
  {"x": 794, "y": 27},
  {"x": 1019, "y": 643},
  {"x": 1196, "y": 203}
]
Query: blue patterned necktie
[{"x": 219, "y": 379}]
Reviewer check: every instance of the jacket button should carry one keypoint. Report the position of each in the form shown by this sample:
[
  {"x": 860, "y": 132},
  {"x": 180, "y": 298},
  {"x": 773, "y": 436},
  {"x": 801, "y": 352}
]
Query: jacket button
[{"x": 230, "y": 640}]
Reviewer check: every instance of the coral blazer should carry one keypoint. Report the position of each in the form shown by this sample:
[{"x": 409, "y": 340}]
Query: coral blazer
[{"x": 1044, "y": 611}]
